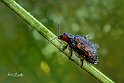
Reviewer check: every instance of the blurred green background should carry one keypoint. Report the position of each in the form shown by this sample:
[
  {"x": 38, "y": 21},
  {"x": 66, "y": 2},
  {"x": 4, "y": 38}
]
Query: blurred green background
[{"x": 24, "y": 51}]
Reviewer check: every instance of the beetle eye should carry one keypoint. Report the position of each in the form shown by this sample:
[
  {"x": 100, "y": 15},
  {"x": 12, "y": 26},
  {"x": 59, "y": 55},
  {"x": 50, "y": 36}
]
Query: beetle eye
[{"x": 60, "y": 37}]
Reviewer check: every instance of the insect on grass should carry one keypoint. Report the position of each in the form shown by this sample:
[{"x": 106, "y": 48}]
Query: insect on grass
[{"x": 83, "y": 45}]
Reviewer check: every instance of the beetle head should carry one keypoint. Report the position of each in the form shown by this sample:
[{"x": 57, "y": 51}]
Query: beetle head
[{"x": 64, "y": 37}]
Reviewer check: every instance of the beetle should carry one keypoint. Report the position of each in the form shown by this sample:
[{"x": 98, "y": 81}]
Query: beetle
[{"x": 82, "y": 45}]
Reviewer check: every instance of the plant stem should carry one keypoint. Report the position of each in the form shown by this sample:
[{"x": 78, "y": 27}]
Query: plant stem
[{"x": 56, "y": 42}]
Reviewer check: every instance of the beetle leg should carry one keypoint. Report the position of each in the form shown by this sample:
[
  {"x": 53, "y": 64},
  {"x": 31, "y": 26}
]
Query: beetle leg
[
  {"x": 65, "y": 47},
  {"x": 82, "y": 59},
  {"x": 70, "y": 51}
]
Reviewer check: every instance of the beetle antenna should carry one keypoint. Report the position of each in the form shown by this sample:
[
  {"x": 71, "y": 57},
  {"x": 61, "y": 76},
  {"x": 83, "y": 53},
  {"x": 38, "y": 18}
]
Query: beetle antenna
[{"x": 58, "y": 26}]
